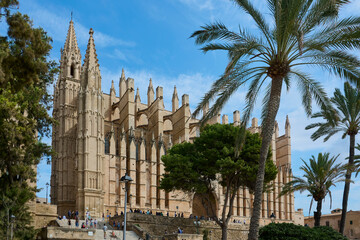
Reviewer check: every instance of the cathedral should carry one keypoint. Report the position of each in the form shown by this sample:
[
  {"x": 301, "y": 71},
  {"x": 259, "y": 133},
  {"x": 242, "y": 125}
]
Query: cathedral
[{"x": 99, "y": 137}]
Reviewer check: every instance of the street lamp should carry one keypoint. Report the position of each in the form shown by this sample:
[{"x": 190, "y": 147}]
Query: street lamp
[
  {"x": 12, "y": 227},
  {"x": 272, "y": 217},
  {"x": 197, "y": 225},
  {"x": 47, "y": 186},
  {"x": 125, "y": 179}
]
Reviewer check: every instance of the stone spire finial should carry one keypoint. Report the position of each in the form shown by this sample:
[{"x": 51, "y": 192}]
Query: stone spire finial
[
  {"x": 150, "y": 88},
  {"x": 91, "y": 65},
  {"x": 122, "y": 83},
  {"x": 71, "y": 42},
  {"x": 70, "y": 55},
  {"x": 287, "y": 126},
  {"x": 150, "y": 93},
  {"x": 276, "y": 129},
  {"x": 175, "y": 100},
  {"x": 122, "y": 74},
  {"x": 112, "y": 89},
  {"x": 137, "y": 96}
]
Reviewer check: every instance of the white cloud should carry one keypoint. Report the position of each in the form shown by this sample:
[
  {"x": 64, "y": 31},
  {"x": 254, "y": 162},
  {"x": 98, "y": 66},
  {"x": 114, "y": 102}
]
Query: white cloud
[{"x": 199, "y": 4}]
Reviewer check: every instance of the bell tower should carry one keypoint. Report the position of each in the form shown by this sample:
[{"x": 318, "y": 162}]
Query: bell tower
[
  {"x": 90, "y": 136},
  {"x": 63, "y": 174}
]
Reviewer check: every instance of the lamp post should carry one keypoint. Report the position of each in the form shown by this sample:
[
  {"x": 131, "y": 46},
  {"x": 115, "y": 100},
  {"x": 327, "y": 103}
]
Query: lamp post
[
  {"x": 47, "y": 186},
  {"x": 125, "y": 179},
  {"x": 12, "y": 227},
  {"x": 272, "y": 217},
  {"x": 197, "y": 225}
]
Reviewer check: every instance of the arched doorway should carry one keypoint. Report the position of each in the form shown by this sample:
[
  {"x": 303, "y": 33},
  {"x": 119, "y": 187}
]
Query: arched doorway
[{"x": 204, "y": 205}]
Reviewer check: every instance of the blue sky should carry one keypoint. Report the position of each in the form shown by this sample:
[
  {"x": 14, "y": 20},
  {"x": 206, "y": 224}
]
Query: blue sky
[{"x": 151, "y": 39}]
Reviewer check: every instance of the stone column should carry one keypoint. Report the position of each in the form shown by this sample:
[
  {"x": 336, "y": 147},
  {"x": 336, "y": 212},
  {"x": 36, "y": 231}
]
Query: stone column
[
  {"x": 153, "y": 173},
  {"x": 142, "y": 172},
  {"x": 132, "y": 167},
  {"x": 122, "y": 167},
  {"x": 161, "y": 172}
]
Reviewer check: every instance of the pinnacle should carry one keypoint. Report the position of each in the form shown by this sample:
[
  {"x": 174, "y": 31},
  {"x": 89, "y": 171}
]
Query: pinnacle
[
  {"x": 150, "y": 88},
  {"x": 175, "y": 94},
  {"x": 137, "y": 97},
  {"x": 91, "y": 56},
  {"x": 71, "y": 42},
  {"x": 112, "y": 84},
  {"x": 122, "y": 74},
  {"x": 287, "y": 123}
]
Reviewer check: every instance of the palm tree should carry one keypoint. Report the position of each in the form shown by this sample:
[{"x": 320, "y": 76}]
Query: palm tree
[
  {"x": 344, "y": 118},
  {"x": 319, "y": 175},
  {"x": 301, "y": 33}
]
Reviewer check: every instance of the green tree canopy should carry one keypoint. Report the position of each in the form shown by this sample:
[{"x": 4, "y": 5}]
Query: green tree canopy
[
  {"x": 289, "y": 37},
  {"x": 320, "y": 174},
  {"x": 343, "y": 118},
  {"x": 25, "y": 74},
  {"x": 197, "y": 167}
]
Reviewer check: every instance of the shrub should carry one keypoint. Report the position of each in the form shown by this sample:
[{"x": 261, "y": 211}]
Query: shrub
[{"x": 290, "y": 231}]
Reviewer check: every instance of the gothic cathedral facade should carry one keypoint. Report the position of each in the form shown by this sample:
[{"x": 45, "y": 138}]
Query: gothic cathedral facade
[{"x": 99, "y": 137}]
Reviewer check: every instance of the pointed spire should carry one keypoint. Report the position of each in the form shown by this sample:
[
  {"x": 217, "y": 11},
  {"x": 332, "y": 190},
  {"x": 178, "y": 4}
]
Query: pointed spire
[
  {"x": 91, "y": 65},
  {"x": 91, "y": 56},
  {"x": 287, "y": 126},
  {"x": 276, "y": 129},
  {"x": 122, "y": 83},
  {"x": 287, "y": 123},
  {"x": 137, "y": 96},
  {"x": 150, "y": 93},
  {"x": 175, "y": 100},
  {"x": 70, "y": 55},
  {"x": 150, "y": 88},
  {"x": 71, "y": 42},
  {"x": 122, "y": 74},
  {"x": 112, "y": 89}
]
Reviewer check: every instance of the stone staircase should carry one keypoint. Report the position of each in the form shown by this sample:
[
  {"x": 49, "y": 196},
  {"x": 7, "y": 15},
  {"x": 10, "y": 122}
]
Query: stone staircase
[{"x": 98, "y": 231}]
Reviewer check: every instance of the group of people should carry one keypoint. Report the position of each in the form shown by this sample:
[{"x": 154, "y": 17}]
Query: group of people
[{"x": 238, "y": 221}]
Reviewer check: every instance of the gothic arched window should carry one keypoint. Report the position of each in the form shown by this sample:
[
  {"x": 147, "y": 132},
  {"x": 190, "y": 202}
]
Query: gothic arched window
[
  {"x": 72, "y": 70},
  {"x": 107, "y": 144}
]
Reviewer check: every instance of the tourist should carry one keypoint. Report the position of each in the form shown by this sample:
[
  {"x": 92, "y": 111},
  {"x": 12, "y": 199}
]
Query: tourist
[
  {"x": 95, "y": 222},
  {"x": 105, "y": 228},
  {"x": 69, "y": 214},
  {"x": 76, "y": 222},
  {"x": 69, "y": 222},
  {"x": 118, "y": 225},
  {"x": 103, "y": 217},
  {"x": 91, "y": 223}
]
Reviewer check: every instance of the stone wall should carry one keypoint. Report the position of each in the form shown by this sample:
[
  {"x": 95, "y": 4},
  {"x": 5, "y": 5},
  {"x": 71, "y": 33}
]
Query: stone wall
[
  {"x": 67, "y": 233},
  {"x": 42, "y": 214},
  {"x": 157, "y": 225}
]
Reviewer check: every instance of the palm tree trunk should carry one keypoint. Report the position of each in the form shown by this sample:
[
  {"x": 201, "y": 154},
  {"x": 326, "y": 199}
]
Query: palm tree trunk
[
  {"x": 317, "y": 215},
  {"x": 267, "y": 132},
  {"x": 347, "y": 183}
]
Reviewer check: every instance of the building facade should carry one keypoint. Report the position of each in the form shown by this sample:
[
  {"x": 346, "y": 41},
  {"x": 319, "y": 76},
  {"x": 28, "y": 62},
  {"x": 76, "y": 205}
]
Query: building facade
[
  {"x": 100, "y": 137},
  {"x": 352, "y": 224}
]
